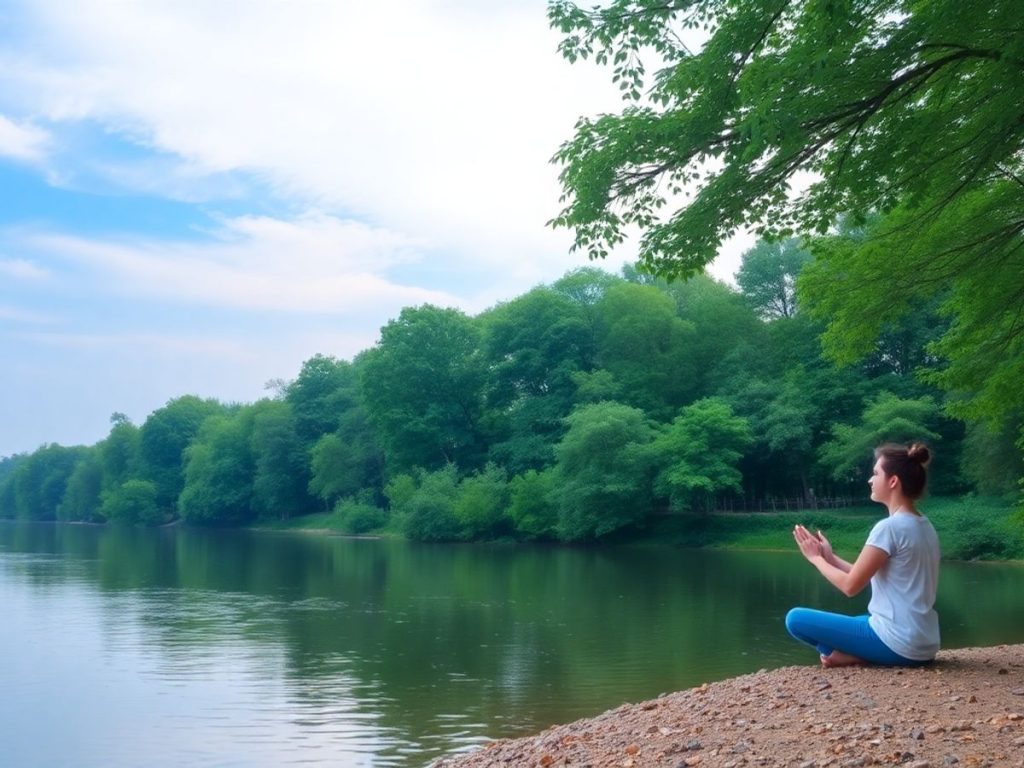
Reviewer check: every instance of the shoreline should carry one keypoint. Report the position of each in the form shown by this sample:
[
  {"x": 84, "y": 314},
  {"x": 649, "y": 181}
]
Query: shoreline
[{"x": 966, "y": 709}]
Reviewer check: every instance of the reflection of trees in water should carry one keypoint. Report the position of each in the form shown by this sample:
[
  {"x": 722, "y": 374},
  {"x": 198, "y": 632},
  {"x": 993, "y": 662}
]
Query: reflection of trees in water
[{"x": 513, "y": 637}]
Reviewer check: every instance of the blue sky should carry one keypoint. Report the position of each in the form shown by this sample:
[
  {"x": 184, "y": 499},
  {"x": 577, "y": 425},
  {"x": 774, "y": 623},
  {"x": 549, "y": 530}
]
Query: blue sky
[{"x": 197, "y": 196}]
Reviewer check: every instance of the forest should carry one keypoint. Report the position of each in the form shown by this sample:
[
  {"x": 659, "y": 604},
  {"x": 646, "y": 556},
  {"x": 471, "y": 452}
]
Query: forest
[
  {"x": 877, "y": 149},
  {"x": 574, "y": 412}
]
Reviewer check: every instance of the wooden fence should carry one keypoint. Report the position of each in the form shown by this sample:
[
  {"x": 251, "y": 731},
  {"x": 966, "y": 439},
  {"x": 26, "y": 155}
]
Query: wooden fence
[{"x": 784, "y": 504}]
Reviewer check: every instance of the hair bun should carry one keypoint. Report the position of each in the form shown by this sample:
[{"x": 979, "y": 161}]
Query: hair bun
[{"x": 919, "y": 452}]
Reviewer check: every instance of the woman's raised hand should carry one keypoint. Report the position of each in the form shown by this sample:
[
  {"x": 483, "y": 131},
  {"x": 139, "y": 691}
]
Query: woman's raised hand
[
  {"x": 810, "y": 545},
  {"x": 826, "y": 548}
]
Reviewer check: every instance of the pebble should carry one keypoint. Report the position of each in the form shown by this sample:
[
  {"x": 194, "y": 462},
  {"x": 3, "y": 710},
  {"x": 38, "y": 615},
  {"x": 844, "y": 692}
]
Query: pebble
[{"x": 835, "y": 718}]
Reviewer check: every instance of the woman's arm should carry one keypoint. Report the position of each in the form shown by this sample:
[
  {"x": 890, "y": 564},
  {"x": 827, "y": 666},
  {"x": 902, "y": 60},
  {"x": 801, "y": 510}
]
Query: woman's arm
[
  {"x": 832, "y": 557},
  {"x": 848, "y": 582}
]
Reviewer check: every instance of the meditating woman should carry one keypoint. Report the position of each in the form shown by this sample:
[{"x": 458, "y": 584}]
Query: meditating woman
[{"x": 901, "y": 561}]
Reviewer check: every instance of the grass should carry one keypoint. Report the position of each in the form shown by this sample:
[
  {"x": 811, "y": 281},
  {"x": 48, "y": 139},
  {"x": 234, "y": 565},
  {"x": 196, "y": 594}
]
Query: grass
[
  {"x": 317, "y": 521},
  {"x": 969, "y": 528}
]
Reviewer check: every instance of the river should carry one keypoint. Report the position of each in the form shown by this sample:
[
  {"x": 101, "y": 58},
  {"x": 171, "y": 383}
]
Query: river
[{"x": 126, "y": 647}]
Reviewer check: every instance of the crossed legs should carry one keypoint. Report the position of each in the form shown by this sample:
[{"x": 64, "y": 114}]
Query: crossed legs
[{"x": 841, "y": 640}]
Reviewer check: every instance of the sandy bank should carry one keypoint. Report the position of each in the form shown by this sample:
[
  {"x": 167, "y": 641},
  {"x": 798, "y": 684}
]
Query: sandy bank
[{"x": 965, "y": 710}]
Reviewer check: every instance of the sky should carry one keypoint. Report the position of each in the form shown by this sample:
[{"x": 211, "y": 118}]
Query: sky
[{"x": 197, "y": 196}]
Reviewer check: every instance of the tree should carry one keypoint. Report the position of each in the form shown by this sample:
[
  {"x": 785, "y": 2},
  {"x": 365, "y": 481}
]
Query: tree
[
  {"x": 646, "y": 347},
  {"x": 968, "y": 262},
  {"x": 482, "y": 504},
  {"x": 989, "y": 460},
  {"x": 335, "y": 469},
  {"x": 697, "y": 455},
  {"x": 119, "y": 452},
  {"x": 767, "y": 277},
  {"x": 82, "y": 497},
  {"x": 428, "y": 513},
  {"x": 132, "y": 502},
  {"x": 785, "y": 418},
  {"x": 163, "y": 438},
  {"x": 533, "y": 345},
  {"x": 722, "y": 322},
  {"x": 323, "y": 390},
  {"x": 601, "y": 483},
  {"x": 40, "y": 481},
  {"x": 423, "y": 388},
  {"x": 219, "y": 472},
  {"x": 585, "y": 286},
  {"x": 887, "y": 418},
  {"x": 885, "y": 102},
  {"x": 911, "y": 111},
  {"x": 530, "y": 505},
  {"x": 281, "y": 479}
]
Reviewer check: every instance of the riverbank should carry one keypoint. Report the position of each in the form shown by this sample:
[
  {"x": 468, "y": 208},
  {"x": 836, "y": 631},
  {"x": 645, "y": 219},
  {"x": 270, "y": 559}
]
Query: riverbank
[
  {"x": 970, "y": 528},
  {"x": 967, "y": 709}
]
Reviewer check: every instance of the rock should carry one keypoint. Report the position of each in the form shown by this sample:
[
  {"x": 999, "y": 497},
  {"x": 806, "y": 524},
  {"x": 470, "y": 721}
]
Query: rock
[
  {"x": 917, "y": 734},
  {"x": 866, "y": 701},
  {"x": 1017, "y": 691},
  {"x": 920, "y": 764}
]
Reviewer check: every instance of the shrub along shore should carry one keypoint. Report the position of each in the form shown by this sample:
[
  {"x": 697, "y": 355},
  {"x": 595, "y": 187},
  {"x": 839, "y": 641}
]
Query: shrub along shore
[{"x": 969, "y": 528}]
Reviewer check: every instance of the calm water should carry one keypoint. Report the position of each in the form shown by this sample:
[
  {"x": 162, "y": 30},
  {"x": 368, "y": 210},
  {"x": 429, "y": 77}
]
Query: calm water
[{"x": 173, "y": 647}]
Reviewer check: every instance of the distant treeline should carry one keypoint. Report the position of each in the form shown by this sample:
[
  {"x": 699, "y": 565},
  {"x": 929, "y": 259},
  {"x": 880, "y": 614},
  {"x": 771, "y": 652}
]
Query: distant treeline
[{"x": 572, "y": 412}]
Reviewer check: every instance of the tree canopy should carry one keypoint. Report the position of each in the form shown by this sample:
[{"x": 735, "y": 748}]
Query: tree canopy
[
  {"x": 906, "y": 113},
  {"x": 589, "y": 409}
]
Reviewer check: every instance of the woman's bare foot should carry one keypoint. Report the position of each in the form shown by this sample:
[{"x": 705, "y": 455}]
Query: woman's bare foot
[{"x": 840, "y": 659}]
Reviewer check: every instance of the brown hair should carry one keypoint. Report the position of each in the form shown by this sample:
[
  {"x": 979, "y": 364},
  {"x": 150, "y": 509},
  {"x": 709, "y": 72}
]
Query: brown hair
[{"x": 909, "y": 463}]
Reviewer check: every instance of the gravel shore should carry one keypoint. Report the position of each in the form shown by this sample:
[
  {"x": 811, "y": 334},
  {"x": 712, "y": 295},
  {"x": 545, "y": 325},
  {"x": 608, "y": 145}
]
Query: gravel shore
[{"x": 966, "y": 709}]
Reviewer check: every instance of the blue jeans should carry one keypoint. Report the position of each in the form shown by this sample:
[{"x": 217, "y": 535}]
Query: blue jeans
[{"x": 850, "y": 634}]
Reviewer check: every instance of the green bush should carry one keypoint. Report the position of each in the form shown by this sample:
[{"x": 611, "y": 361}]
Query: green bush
[
  {"x": 481, "y": 506},
  {"x": 533, "y": 514},
  {"x": 132, "y": 502},
  {"x": 359, "y": 516},
  {"x": 975, "y": 528},
  {"x": 429, "y": 514}
]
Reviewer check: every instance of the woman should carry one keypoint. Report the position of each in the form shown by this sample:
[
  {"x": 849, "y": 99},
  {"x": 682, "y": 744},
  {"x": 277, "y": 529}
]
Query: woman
[{"x": 900, "y": 559}]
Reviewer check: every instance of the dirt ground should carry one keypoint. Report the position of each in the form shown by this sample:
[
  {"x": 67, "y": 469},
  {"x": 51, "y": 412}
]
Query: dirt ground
[{"x": 966, "y": 709}]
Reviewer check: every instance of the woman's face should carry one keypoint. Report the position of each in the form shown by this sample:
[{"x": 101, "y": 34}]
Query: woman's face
[{"x": 881, "y": 488}]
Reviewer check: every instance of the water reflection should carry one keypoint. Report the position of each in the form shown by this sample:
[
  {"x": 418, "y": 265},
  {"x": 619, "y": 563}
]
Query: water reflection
[{"x": 237, "y": 648}]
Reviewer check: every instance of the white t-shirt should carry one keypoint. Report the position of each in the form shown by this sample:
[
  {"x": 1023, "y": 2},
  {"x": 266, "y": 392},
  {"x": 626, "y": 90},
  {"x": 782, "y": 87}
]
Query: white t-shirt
[{"x": 903, "y": 590}]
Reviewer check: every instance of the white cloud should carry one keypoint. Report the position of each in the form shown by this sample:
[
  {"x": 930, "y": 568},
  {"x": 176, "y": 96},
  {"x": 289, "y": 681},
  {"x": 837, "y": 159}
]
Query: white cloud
[
  {"x": 426, "y": 119},
  {"x": 148, "y": 344},
  {"x": 26, "y": 143},
  {"x": 18, "y": 315},
  {"x": 313, "y": 264},
  {"x": 22, "y": 269}
]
